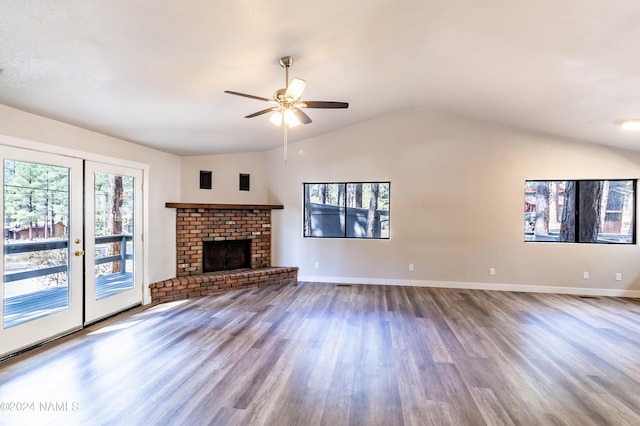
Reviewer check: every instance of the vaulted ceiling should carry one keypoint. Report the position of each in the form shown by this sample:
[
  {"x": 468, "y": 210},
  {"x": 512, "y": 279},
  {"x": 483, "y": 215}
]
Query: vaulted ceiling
[{"x": 154, "y": 71}]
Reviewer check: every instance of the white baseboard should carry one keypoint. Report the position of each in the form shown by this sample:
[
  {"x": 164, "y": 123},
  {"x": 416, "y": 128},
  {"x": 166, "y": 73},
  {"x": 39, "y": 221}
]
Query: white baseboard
[{"x": 477, "y": 286}]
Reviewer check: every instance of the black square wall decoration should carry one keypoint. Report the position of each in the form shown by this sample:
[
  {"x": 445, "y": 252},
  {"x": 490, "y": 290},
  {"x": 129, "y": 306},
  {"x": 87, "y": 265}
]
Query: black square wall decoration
[
  {"x": 206, "y": 178},
  {"x": 244, "y": 182}
]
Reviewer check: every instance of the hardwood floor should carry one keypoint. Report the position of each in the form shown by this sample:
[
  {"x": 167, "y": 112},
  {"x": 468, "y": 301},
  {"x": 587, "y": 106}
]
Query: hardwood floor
[{"x": 321, "y": 354}]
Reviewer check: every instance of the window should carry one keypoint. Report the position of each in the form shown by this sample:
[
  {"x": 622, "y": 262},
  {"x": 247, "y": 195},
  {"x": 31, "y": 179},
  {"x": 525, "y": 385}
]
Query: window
[
  {"x": 580, "y": 211},
  {"x": 347, "y": 210}
]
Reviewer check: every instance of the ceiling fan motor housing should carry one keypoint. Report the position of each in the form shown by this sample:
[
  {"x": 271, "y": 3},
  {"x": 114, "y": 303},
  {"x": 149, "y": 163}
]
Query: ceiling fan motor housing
[{"x": 279, "y": 95}]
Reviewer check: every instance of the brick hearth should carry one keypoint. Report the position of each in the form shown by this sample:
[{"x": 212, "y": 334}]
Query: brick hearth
[
  {"x": 196, "y": 223},
  {"x": 220, "y": 282}
]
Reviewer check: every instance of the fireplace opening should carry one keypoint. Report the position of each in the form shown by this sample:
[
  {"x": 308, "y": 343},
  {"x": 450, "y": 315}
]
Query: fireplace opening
[{"x": 226, "y": 255}]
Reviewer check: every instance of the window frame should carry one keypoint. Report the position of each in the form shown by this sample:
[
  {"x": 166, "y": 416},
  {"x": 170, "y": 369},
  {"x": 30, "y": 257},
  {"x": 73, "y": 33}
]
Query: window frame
[
  {"x": 575, "y": 235},
  {"x": 345, "y": 215}
]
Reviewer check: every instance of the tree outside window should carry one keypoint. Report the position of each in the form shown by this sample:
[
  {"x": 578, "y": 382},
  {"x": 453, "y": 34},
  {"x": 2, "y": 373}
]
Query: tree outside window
[
  {"x": 347, "y": 210},
  {"x": 580, "y": 211}
]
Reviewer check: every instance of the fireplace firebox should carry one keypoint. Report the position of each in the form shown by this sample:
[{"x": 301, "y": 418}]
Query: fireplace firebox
[{"x": 226, "y": 255}]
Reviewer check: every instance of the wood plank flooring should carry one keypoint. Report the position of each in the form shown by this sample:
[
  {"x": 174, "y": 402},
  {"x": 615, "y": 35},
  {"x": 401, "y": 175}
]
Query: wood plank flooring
[{"x": 325, "y": 354}]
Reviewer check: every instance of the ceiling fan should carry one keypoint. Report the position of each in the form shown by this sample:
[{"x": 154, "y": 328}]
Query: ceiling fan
[{"x": 287, "y": 105}]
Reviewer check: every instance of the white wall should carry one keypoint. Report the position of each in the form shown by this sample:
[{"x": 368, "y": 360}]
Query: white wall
[
  {"x": 456, "y": 200},
  {"x": 226, "y": 170},
  {"x": 26, "y": 130},
  {"x": 456, "y": 207}
]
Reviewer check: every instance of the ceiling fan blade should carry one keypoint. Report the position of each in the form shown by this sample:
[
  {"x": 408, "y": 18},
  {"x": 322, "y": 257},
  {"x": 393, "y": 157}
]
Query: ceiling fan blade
[
  {"x": 260, "y": 98},
  {"x": 301, "y": 116},
  {"x": 324, "y": 104},
  {"x": 264, "y": 111},
  {"x": 295, "y": 89}
]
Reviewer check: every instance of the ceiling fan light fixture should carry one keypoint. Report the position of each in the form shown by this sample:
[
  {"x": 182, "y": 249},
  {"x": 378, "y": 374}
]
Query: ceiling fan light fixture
[
  {"x": 290, "y": 118},
  {"x": 276, "y": 118},
  {"x": 632, "y": 124}
]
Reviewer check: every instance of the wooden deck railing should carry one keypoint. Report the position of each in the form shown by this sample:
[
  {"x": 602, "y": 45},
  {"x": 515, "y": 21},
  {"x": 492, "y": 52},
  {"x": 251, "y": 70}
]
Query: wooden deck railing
[{"x": 33, "y": 246}]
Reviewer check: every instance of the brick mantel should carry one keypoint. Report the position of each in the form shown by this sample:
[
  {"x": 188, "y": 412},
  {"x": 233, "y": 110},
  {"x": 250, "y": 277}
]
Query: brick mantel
[{"x": 224, "y": 206}]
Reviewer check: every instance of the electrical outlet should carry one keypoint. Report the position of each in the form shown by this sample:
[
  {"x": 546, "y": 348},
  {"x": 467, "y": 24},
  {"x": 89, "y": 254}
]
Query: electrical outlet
[
  {"x": 585, "y": 275},
  {"x": 618, "y": 276},
  {"x": 411, "y": 267},
  {"x": 317, "y": 265},
  {"x": 492, "y": 271}
]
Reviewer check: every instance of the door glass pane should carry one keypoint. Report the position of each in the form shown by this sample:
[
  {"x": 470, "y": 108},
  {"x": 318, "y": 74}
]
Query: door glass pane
[
  {"x": 114, "y": 206},
  {"x": 36, "y": 244}
]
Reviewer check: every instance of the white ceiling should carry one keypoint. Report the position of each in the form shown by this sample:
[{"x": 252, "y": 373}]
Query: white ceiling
[{"x": 154, "y": 71}]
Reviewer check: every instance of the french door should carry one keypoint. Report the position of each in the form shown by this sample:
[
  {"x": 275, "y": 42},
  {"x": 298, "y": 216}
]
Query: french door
[
  {"x": 113, "y": 239},
  {"x": 42, "y": 276},
  {"x": 70, "y": 255}
]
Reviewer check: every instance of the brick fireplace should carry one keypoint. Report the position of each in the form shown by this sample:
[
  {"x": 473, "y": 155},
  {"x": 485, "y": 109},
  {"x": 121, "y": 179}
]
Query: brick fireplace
[
  {"x": 194, "y": 226},
  {"x": 197, "y": 224}
]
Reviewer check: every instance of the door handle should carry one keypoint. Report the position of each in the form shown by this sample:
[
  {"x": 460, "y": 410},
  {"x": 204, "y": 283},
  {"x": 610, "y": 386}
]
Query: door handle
[{"x": 79, "y": 253}]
